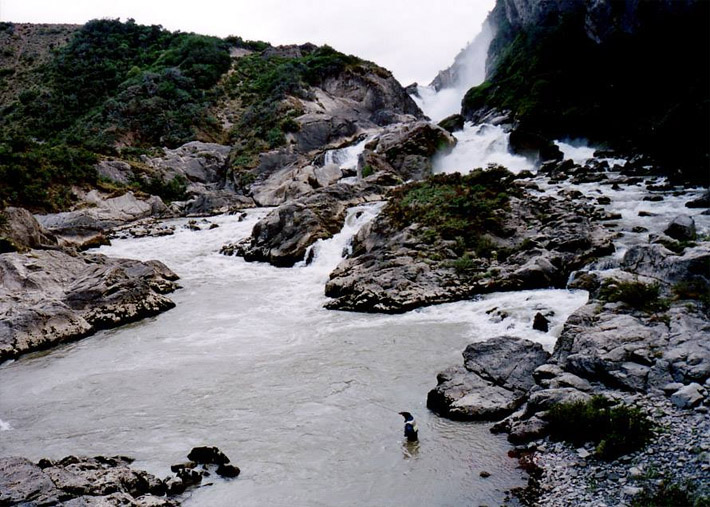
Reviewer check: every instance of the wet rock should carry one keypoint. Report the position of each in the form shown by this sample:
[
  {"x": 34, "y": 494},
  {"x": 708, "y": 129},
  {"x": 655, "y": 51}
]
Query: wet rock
[
  {"x": 79, "y": 481},
  {"x": 453, "y": 123},
  {"x": 409, "y": 148},
  {"x": 540, "y": 323},
  {"x": 485, "y": 474},
  {"x": 284, "y": 235},
  {"x": 531, "y": 144},
  {"x": 701, "y": 202},
  {"x": 228, "y": 471},
  {"x": 681, "y": 228},
  {"x": 49, "y": 297},
  {"x": 208, "y": 456}
]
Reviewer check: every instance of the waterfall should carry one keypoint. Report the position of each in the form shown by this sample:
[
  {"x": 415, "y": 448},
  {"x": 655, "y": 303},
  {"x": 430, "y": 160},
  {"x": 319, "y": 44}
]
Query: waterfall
[
  {"x": 345, "y": 158},
  {"x": 324, "y": 255},
  {"x": 479, "y": 146},
  {"x": 443, "y": 96}
]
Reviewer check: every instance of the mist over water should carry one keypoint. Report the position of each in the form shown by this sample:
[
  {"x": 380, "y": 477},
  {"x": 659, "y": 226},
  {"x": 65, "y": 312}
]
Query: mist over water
[{"x": 439, "y": 100}]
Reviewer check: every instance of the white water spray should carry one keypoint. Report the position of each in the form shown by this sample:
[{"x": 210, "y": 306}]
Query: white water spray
[
  {"x": 346, "y": 158},
  {"x": 443, "y": 97},
  {"x": 5, "y": 426},
  {"x": 478, "y": 147}
]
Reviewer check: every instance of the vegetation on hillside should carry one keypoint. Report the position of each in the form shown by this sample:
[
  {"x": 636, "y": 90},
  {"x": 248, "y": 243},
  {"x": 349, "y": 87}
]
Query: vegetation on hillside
[
  {"x": 262, "y": 81},
  {"x": 123, "y": 89},
  {"x": 113, "y": 85},
  {"x": 647, "y": 90}
]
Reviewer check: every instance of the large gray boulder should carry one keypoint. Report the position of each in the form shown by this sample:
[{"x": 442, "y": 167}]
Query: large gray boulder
[
  {"x": 50, "y": 297},
  {"x": 681, "y": 228},
  {"x": 494, "y": 381}
]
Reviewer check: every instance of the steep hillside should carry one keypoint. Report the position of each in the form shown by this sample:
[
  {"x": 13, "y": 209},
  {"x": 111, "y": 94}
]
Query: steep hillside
[
  {"x": 627, "y": 74},
  {"x": 72, "y": 96}
]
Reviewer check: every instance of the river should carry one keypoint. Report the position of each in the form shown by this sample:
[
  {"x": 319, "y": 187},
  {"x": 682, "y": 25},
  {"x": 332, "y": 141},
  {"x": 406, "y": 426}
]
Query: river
[{"x": 303, "y": 399}]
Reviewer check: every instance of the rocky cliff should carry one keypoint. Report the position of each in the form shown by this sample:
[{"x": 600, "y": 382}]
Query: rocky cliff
[{"x": 630, "y": 75}]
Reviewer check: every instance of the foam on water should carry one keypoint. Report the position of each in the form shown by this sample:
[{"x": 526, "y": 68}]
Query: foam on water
[
  {"x": 479, "y": 146},
  {"x": 5, "y": 426}
]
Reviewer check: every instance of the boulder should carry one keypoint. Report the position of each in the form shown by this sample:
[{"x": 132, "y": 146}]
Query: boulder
[
  {"x": 453, "y": 123},
  {"x": 681, "y": 228},
  {"x": 689, "y": 396},
  {"x": 20, "y": 231},
  {"x": 409, "y": 148},
  {"x": 49, "y": 297},
  {"x": 533, "y": 145},
  {"x": 505, "y": 361},
  {"x": 540, "y": 323},
  {"x": 208, "y": 456},
  {"x": 701, "y": 202},
  {"x": 76, "y": 228},
  {"x": 493, "y": 383},
  {"x": 284, "y": 235},
  {"x": 462, "y": 395}
]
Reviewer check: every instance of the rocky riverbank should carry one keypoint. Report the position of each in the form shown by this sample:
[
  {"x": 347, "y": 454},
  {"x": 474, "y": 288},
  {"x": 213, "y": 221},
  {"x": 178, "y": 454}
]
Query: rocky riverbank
[
  {"x": 51, "y": 294},
  {"x": 641, "y": 343},
  {"x": 106, "y": 481}
]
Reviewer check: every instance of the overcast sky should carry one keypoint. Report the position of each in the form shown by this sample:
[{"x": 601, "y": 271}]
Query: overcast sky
[{"x": 413, "y": 38}]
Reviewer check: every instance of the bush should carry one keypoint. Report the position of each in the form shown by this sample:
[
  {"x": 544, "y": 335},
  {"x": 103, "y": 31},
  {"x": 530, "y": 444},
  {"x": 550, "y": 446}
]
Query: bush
[
  {"x": 638, "y": 295},
  {"x": 616, "y": 430},
  {"x": 671, "y": 495},
  {"x": 461, "y": 208},
  {"x": 168, "y": 191}
]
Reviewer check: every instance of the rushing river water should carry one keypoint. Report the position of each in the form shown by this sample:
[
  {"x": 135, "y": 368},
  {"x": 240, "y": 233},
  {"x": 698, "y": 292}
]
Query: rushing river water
[{"x": 303, "y": 399}]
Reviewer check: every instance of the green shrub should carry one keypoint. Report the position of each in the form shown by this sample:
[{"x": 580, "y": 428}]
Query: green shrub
[
  {"x": 616, "y": 430},
  {"x": 638, "y": 295},
  {"x": 669, "y": 494},
  {"x": 461, "y": 208},
  {"x": 697, "y": 289}
]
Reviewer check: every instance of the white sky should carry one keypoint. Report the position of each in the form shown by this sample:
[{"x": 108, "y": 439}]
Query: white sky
[{"x": 413, "y": 38}]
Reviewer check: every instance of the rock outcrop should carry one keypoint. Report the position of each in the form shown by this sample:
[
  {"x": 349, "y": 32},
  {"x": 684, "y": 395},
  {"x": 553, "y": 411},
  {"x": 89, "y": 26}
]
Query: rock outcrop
[
  {"x": 88, "y": 226},
  {"x": 50, "y": 297},
  {"x": 20, "y": 231},
  {"x": 494, "y": 381},
  {"x": 75, "y": 481},
  {"x": 400, "y": 263}
]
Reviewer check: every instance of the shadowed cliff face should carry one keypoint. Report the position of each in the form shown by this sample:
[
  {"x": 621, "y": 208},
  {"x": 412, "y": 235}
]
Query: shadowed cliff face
[{"x": 626, "y": 74}]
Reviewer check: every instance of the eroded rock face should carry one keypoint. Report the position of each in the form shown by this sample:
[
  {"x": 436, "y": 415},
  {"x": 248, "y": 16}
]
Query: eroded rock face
[
  {"x": 494, "y": 381},
  {"x": 49, "y": 297},
  {"x": 105, "y": 481}
]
